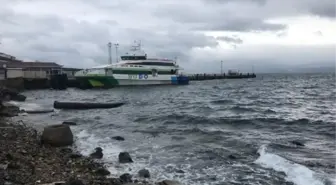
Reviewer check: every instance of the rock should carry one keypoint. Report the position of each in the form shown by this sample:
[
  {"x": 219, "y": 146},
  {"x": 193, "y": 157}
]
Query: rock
[
  {"x": 124, "y": 157},
  {"x": 3, "y": 166},
  {"x": 115, "y": 181},
  {"x": 169, "y": 182},
  {"x": 126, "y": 177},
  {"x": 73, "y": 181},
  {"x": 98, "y": 154},
  {"x": 69, "y": 123},
  {"x": 118, "y": 138},
  {"x": 13, "y": 165},
  {"x": 231, "y": 156},
  {"x": 66, "y": 150},
  {"x": 144, "y": 173},
  {"x": 102, "y": 171},
  {"x": 57, "y": 135},
  {"x": 298, "y": 143},
  {"x": 179, "y": 171},
  {"x": 9, "y": 156},
  {"x": 75, "y": 156},
  {"x": 9, "y": 110},
  {"x": 18, "y": 97},
  {"x": 57, "y": 183}
]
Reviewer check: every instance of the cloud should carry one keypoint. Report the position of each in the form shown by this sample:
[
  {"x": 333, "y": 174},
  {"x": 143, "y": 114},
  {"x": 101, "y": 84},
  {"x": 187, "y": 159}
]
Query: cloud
[{"x": 76, "y": 35}]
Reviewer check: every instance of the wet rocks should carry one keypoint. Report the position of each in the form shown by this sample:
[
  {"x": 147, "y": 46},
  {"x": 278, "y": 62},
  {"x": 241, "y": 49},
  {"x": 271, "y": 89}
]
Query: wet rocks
[
  {"x": 102, "y": 171},
  {"x": 73, "y": 181},
  {"x": 18, "y": 97},
  {"x": 70, "y": 123},
  {"x": 57, "y": 135},
  {"x": 126, "y": 177},
  {"x": 24, "y": 161},
  {"x": 169, "y": 182},
  {"x": 98, "y": 154},
  {"x": 179, "y": 171},
  {"x": 75, "y": 156},
  {"x": 124, "y": 157},
  {"x": 118, "y": 138},
  {"x": 11, "y": 94},
  {"x": 9, "y": 110},
  {"x": 144, "y": 173}
]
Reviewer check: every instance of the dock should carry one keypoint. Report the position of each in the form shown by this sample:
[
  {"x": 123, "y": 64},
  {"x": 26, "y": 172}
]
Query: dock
[{"x": 204, "y": 76}]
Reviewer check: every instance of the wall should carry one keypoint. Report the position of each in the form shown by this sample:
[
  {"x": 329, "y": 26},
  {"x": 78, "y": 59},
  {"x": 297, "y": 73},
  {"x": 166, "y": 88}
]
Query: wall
[
  {"x": 35, "y": 74},
  {"x": 14, "y": 73},
  {"x": 2, "y": 73},
  {"x": 15, "y": 83}
]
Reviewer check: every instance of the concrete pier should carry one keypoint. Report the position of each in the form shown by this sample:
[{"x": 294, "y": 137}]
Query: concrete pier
[{"x": 204, "y": 76}]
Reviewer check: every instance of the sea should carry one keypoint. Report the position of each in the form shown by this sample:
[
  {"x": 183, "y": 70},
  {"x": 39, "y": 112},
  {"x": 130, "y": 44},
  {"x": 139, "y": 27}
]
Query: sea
[{"x": 216, "y": 132}]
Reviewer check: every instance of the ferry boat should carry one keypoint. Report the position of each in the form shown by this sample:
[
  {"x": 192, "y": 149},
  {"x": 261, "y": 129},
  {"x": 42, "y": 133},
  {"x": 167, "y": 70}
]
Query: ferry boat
[{"x": 134, "y": 68}]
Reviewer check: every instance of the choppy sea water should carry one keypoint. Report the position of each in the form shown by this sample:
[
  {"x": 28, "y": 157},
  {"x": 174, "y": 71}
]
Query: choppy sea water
[{"x": 210, "y": 132}]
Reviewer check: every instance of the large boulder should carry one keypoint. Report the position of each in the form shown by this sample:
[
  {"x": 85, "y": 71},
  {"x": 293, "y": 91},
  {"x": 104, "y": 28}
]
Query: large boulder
[
  {"x": 57, "y": 135},
  {"x": 9, "y": 110},
  {"x": 98, "y": 154},
  {"x": 124, "y": 157},
  {"x": 18, "y": 97},
  {"x": 11, "y": 94},
  {"x": 144, "y": 173},
  {"x": 126, "y": 177}
]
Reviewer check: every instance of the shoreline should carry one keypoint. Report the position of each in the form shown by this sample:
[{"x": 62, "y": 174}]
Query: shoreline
[{"x": 26, "y": 159}]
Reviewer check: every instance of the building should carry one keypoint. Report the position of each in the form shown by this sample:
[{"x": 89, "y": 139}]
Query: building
[
  {"x": 8, "y": 58},
  {"x": 28, "y": 70}
]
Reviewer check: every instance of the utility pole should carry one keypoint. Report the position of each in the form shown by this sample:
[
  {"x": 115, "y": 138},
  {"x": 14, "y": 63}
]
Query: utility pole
[
  {"x": 116, "y": 46},
  {"x": 110, "y": 53},
  {"x": 221, "y": 67}
]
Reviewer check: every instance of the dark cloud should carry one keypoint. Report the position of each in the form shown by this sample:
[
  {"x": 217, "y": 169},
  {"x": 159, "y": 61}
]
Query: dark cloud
[
  {"x": 77, "y": 35},
  {"x": 228, "y": 39},
  {"x": 327, "y": 10},
  {"x": 245, "y": 25}
]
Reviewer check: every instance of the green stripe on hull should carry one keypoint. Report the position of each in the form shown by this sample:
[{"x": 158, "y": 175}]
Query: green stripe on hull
[
  {"x": 117, "y": 71},
  {"x": 97, "y": 82}
]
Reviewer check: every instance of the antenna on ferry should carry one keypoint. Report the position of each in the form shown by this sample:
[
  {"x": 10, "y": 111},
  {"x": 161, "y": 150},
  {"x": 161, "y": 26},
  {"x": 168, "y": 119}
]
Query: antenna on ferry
[{"x": 110, "y": 53}]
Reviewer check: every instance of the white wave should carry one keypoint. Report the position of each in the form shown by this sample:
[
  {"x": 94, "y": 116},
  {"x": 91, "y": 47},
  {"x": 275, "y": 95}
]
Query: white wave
[
  {"x": 86, "y": 142},
  {"x": 26, "y": 106},
  {"x": 296, "y": 173}
]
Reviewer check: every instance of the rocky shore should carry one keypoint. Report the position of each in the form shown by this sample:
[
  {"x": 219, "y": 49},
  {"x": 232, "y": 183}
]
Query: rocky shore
[{"x": 28, "y": 157}]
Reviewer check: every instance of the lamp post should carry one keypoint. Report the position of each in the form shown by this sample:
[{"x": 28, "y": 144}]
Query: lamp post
[
  {"x": 221, "y": 67},
  {"x": 110, "y": 53},
  {"x": 116, "y": 46},
  {"x": 5, "y": 69}
]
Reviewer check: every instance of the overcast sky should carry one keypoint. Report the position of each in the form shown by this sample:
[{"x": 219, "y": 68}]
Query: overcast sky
[{"x": 266, "y": 34}]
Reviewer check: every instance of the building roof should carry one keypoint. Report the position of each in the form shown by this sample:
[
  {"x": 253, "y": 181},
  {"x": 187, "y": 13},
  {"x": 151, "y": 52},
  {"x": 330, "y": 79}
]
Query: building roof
[
  {"x": 15, "y": 64},
  {"x": 71, "y": 69},
  {"x": 7, "y": 57}
]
